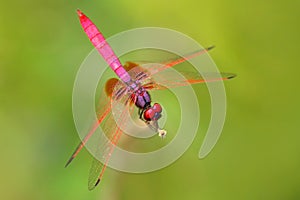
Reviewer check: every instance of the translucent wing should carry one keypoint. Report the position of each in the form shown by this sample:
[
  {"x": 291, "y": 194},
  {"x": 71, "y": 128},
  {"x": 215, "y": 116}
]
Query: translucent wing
[
  {"x": 112, "y": 128},
  {"x": 103, "y": 110},
  {"x": 102, "y": 113},
  {"x": 163, "y": 65},
  {"x": 170, "y": 79},
  {"x": 157, "y": 76},
  {"x": 105, "y": 151},
  {"x": 165, "y": 80}
]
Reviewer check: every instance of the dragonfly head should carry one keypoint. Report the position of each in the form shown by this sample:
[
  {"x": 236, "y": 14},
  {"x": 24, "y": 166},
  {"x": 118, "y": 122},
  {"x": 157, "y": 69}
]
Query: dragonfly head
[{"x": 153, "y": 113}]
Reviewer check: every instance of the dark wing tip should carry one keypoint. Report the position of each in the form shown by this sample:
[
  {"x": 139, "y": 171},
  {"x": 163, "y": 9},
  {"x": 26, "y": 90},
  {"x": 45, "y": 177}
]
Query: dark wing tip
[
  {"x": 210, "y": 48},
  {"x": 91, "y": 187},
  {"x": 231, "y": 76},
  {"x": 69, "y": 161},
  {"x": 98, "y": 181}
]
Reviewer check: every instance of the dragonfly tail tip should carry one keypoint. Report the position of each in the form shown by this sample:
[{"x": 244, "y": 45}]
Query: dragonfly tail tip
[{"x": 79, "y": 13}]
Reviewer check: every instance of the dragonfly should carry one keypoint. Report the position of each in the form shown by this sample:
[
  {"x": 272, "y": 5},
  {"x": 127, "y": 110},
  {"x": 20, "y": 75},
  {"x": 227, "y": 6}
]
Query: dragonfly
[{"x": 131, "y": 89}]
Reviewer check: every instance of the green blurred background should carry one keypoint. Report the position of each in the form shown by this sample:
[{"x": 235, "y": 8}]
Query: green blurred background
[{"x": 257, "y": 156}]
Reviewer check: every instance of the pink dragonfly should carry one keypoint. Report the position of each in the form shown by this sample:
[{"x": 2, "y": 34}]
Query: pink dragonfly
[{"x": 132, "y": 88}]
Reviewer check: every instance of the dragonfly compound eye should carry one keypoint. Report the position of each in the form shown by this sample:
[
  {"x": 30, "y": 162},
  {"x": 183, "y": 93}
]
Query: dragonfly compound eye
[
  {"x": 149, "y": 114},
  {"x": 157, "y": 108}
]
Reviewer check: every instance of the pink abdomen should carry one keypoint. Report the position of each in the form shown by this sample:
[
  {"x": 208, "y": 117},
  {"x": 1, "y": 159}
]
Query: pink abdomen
[{"x": 103, "y": 47}]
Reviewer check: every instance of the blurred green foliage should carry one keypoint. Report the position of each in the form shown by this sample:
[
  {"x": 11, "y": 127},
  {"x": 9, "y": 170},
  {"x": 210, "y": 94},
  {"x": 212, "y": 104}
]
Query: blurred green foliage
[{"x": 257, "y": 156}]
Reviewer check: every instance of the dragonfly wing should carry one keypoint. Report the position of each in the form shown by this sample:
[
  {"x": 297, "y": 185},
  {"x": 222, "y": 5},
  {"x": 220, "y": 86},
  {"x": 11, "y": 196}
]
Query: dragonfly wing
[
  {"x": 94, "y": 173},
  {"x": 103, "y": 110},
  {"x": 167, "y": 79},
  {"x": 102, "y": 113},
  {"x": 163, "y": 65},
  {"x": 157, "y": 75},
  {"x": 139, "y": 72},
  {"x": 112, "y": 129}
]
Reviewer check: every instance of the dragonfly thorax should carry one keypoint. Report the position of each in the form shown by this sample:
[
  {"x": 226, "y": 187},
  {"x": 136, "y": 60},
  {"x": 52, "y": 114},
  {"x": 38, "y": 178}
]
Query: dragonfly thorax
[{"x": 142, "y": 98}]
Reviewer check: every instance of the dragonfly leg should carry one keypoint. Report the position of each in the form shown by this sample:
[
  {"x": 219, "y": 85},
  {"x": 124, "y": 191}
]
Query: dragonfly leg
[{"x": 140, "y": 112}]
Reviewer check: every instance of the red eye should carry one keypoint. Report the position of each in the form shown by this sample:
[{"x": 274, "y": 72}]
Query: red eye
[
  {"x": 149, "y": 114},
  {"x": 157, "y": 108}
]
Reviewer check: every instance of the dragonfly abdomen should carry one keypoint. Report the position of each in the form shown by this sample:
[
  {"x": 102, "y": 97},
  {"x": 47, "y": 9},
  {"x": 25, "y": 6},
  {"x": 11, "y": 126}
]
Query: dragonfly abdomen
[{"x": 103, "y": 47}]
